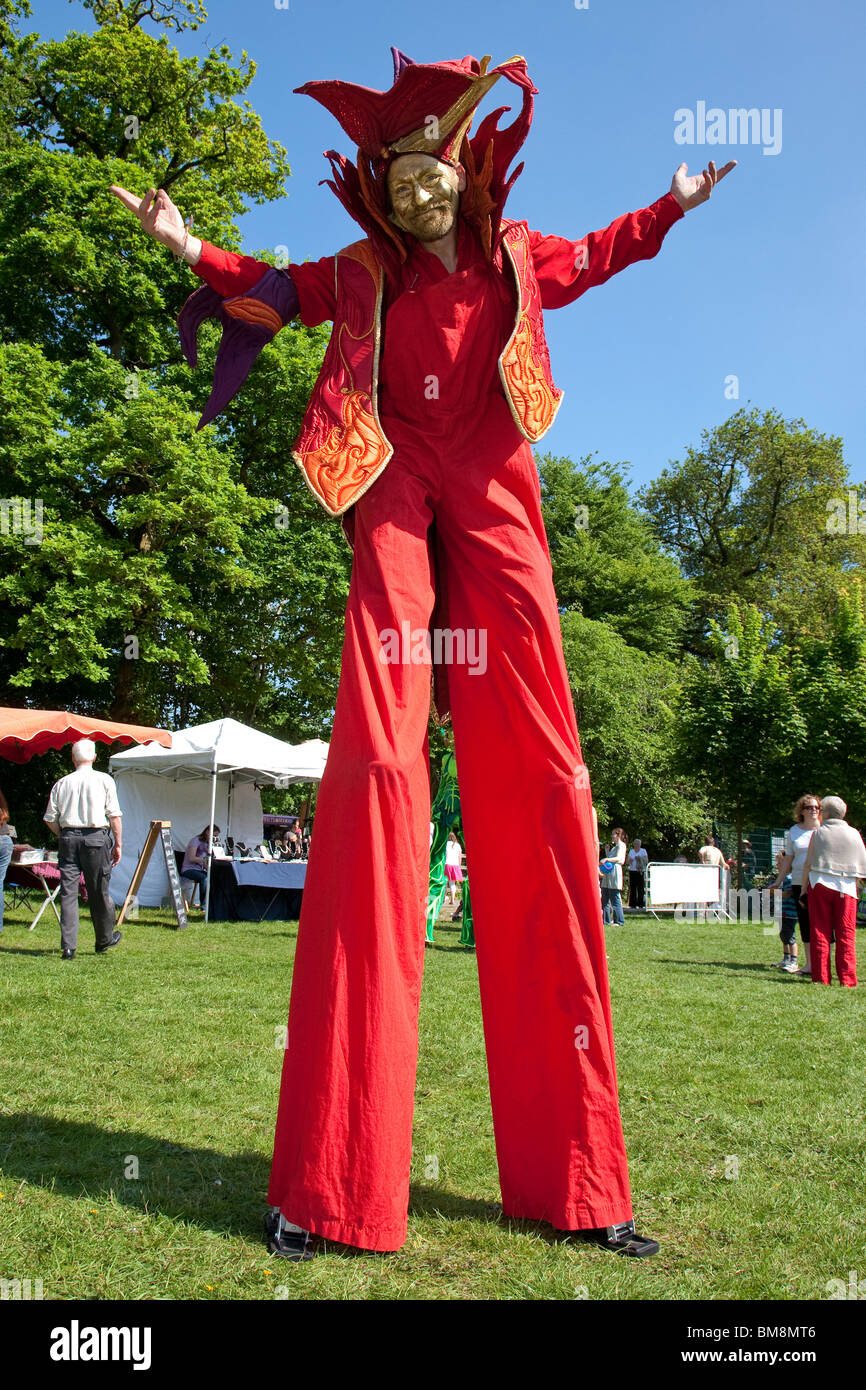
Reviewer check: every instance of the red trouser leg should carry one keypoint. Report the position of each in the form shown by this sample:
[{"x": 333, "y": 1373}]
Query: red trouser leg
[
  {"x": 820, "y": 926},
  {"x": 343, "y": 1144},
  {"x": 845, "y": 924},
  {"x": 342, "y": 1150},
  {"x": 526, "y": 803}
]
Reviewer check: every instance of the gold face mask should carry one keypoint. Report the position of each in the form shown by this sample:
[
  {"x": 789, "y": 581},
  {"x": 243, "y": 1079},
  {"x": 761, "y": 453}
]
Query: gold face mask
[{"x": 425, "y": 195}]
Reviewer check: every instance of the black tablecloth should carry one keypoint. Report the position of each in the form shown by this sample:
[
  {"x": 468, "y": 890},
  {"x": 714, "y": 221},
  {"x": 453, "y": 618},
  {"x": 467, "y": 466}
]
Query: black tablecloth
[{"x": 231, "y": 901}]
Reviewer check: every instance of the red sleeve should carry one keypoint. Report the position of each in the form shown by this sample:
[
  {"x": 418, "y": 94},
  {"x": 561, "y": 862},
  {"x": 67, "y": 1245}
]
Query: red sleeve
[
  {"x": 231, "y": 274},
  {"x": 315, "y": 282},
  {"x": 227, "y": 272},
  {"x": 567, "y": 269}
]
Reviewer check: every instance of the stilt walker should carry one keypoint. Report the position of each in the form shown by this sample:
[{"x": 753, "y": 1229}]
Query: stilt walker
[{"x": 435, "y": 385}]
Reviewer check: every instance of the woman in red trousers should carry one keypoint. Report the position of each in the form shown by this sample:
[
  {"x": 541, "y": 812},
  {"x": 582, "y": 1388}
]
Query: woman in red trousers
[{"x": 835, "y": 860}]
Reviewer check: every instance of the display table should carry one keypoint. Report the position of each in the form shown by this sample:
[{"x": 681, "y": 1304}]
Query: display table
[
  {"x": 253, "y": 890},
  {"x": 286, "y": 873},
  {"x": 41, "y": 875}
]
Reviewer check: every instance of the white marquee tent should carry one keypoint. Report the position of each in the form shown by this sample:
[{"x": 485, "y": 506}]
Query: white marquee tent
[{"x": 212, "y": 774}]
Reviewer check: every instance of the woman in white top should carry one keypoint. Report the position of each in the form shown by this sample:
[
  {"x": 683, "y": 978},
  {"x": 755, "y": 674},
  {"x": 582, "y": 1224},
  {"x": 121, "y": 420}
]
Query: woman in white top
[
  {"x": 611, "y": 883},
  {"x": 807, "y": 818}
]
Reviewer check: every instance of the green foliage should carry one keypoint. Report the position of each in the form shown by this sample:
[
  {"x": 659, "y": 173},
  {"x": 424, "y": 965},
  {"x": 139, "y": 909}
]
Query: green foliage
[
  {"x": 623, "y": 606},
  {"x": 607, "y": 563},
  {"x": 828, "y": 674},
  {"x": 624, "y": 701},
  {"x": 747, "y": 517},
  {"x": 739, "y": 730},
  {"x": 134, "y": 505},
  {"x": 179, "y": 14},
  {"x": 152, "y": 531},
  {"x": 119, "y": 106}
]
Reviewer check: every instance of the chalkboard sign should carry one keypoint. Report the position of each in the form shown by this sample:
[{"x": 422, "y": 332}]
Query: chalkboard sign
[
  {"x": 173, "y": 876},
  {"x": 159, "y": 830}
]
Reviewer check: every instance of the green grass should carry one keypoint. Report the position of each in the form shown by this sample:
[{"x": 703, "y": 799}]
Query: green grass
[{"x": 167, "y": 1049}]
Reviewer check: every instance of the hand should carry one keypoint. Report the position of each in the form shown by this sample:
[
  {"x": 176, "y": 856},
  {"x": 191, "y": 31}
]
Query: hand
[
  {"x": 158, "y": 215},
  {"x": 116, "y": 855},
  {"x": 692, "y": 189}
]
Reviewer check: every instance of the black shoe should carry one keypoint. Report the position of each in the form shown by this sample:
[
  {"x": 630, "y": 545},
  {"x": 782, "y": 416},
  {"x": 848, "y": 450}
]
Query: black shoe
[
  {"x": 622, "y": 1239},
  {"x": 286, "y": 1245},
  {"x": 100, "y": 950},
  {"x": 67, "y": 954}
]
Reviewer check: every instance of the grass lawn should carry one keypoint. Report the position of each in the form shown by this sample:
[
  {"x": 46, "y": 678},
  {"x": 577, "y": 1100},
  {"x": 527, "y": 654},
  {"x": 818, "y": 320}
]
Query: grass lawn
[{"x": 741, "y": 1092}]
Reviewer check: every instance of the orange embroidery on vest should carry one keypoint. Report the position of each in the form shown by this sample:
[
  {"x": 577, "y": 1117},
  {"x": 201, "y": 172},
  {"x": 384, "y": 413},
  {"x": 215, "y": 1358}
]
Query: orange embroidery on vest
[
  {"x": 349, "y": 454},
  {"x": 255, "y": 312},
  {"x": 535, "y": 401},
  {"x": 524, "y": 368},
  {"x": 344, "y": 461}
]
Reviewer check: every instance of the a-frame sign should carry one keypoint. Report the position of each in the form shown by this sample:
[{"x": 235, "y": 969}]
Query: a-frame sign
[{"x": 159, "y": 830}]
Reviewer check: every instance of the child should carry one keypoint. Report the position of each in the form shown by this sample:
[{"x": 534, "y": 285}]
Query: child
[{"x": 787, "y": 930}]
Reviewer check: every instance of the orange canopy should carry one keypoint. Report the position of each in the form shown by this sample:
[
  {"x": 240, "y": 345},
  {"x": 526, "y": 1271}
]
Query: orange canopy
[{"x": 26, "y": 732}]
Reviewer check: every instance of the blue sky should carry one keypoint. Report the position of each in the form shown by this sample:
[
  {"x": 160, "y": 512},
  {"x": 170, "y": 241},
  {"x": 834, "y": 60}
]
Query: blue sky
[{"x": 764, "y": 283}]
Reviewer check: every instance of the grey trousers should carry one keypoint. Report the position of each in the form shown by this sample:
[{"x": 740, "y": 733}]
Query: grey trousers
[{"x": 87, "y": 852}]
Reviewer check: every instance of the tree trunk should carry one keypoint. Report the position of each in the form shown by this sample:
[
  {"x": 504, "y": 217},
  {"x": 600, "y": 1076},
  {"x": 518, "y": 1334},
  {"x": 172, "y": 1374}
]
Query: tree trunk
[{"x": 122, "y": 706}]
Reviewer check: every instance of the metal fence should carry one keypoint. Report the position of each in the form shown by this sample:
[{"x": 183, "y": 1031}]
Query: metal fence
[{"x": 766, "y": 841}]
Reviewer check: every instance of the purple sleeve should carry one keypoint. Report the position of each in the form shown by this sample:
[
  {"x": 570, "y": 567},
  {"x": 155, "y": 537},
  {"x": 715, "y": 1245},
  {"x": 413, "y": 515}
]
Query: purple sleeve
[{"x": 249, "y": 321}]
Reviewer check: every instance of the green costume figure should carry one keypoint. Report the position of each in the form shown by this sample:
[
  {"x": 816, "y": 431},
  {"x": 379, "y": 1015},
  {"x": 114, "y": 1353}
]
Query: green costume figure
[{"x": 445, "y": 815}]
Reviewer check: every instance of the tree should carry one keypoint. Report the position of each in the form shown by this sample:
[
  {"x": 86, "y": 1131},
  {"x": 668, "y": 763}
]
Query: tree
[
  {"x": 752, "y": 515},
  {"x": 165, "y": 586},
  {"x": 739, "y": 731},
  {"x": 625, "y": 703},
  {"x": 828, "y": 676},
  {"x": 623, "y": 605},
  {"x": 607, "y": 564}
]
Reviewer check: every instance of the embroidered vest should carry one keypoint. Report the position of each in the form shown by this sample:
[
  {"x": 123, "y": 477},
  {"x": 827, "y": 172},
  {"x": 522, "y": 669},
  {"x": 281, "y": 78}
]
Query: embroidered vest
[{"x": 342, "y": 447}]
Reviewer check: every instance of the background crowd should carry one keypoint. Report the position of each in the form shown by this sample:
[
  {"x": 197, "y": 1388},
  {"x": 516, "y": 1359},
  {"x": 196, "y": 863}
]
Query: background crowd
[{"x": 817, "y": 876}]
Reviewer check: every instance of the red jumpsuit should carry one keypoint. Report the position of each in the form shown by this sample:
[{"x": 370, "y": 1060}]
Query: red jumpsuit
[{"x": 343, "y": 1142}]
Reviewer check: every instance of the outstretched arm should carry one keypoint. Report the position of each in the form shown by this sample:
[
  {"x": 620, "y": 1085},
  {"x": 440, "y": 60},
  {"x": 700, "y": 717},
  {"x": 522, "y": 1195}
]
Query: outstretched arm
[
  {"x": 225, "y": 271},
  {"x": 251, "y": 299},
  {"x": 567, "y": 269}
]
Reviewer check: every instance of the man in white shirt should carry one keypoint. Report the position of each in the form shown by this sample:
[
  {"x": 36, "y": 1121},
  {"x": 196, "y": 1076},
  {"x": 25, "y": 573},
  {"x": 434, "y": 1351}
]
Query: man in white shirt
[
  {"x": 80, "y": 809},
  {"x": 711, "y": 854}
]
